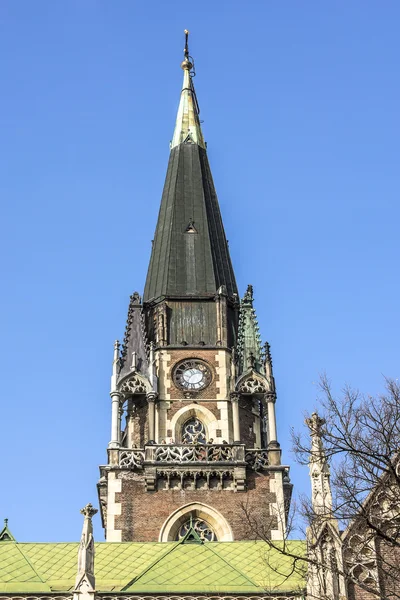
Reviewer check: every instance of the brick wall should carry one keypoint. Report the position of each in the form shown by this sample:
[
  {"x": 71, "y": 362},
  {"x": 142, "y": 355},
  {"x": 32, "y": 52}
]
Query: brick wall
[
  {"x": 246, "y": 416},
  {"x": 143, "y": 513},
  {"x": 177, "y": 405},
  {"x": 140, "y": 434}
]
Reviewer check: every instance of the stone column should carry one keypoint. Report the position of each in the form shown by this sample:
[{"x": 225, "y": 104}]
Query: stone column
[
  {"x": 115, "y": 420},
  {"x": 271, "y": 421},
  {"x": 235, "y": 415},
  {"x": 273, "y": 442},
  {"x": 151, "y": 400},
  {"x": 274, "y": 453}
]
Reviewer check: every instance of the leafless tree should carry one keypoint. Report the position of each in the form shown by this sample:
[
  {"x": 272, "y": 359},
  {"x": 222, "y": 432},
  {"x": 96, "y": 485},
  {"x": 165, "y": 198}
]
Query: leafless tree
[{"x": 356, "y": 538}]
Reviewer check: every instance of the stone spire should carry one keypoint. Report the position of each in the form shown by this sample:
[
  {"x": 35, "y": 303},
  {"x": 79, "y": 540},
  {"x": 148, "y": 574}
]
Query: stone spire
[
  {"x": 85, "y": 581},
  {"x": 190, "y": 255},
  {"x": 249, "y": 341},
  {"x": 319, "y": 468},
  {"x": 325, "y": 577},
  {"x": 187, "y": 121}
]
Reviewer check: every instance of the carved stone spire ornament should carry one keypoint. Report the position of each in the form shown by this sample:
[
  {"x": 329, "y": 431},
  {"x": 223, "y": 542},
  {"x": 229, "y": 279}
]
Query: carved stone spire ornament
[
  {"x": 85, "y": 580},
  {"x": 319, "y": 468},
  {"x": 249, "y": 340},
  {"x": 324, "y": 543}
]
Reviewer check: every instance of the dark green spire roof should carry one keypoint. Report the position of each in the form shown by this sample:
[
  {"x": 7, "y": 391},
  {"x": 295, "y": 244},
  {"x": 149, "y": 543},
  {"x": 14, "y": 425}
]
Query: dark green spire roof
[{"x": 190, "y": 255}]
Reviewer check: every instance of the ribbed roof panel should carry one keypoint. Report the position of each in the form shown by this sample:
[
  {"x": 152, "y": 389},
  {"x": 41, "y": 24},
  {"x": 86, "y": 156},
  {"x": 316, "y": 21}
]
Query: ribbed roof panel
[{"x": 190, "y": 255}]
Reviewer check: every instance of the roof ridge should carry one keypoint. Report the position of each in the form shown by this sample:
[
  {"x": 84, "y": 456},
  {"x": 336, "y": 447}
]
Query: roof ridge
[
  {"x": 232, "y": 566},
  {"x": 31, "y": 565},
  {"x": 150, "y": 566}
]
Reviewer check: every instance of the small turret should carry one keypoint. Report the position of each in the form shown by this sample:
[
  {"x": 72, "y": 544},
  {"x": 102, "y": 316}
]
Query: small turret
[
  {"x": 249, "y": 342},
  {"x": 5, "y": 533}
]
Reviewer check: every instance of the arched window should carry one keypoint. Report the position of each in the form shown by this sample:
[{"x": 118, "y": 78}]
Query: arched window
[
  {"x": 208, "y": 523},
  {"x": 203, "y": 529},
  {"x": 193, "y": 432}
]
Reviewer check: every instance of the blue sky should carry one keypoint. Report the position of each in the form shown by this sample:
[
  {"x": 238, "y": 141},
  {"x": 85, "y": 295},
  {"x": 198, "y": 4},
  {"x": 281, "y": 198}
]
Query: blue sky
[{"x": 300, "y": 107}]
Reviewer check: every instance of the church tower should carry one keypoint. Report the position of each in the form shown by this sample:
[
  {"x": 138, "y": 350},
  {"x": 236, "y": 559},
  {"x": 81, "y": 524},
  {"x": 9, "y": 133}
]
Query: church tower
[{"x": 193, "y": 433}]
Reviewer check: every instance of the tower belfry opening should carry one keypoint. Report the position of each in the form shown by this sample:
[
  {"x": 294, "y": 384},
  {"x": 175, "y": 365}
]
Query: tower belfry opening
[{"x": 192, "y": 388}]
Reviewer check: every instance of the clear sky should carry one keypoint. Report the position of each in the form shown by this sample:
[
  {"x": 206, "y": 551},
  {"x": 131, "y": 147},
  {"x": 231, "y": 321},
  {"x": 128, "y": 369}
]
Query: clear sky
[{"x": 300, "y": 102}]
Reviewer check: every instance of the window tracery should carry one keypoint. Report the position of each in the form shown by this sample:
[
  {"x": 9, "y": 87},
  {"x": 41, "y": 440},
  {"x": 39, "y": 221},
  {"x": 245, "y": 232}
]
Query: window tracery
[
  {"x": 133, "y": 385},
  {"x": 203, "y": 529},
  {"x": 193, "y": 432},
  {"x": 252, "y": 385}
]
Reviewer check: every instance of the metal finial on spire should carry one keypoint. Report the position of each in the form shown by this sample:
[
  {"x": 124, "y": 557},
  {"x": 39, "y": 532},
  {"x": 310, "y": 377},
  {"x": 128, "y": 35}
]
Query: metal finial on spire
[
  {"x": 186, "y": 50},
  {"x": 187, "y": 127},
  {"x": 187, "y": 64}
]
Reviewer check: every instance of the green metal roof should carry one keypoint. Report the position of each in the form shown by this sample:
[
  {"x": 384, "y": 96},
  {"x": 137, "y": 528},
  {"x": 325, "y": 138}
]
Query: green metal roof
[{"x": 240, "y": 567}]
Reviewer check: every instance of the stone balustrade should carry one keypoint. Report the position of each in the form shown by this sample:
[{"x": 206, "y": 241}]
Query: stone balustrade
[
  {"x": 193, "y": 453},
  {"x": 181, "y": 453},
  {"x": 257, "y": 459}
]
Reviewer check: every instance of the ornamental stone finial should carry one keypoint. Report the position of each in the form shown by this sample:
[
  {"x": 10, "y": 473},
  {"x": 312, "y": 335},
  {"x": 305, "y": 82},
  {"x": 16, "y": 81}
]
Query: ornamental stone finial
[
  {"x": 319, "y": 468},
  {"x": 315, "y": 424},
  {"x": 89, "y": 511},
  {"x": 248, "y": 297}
]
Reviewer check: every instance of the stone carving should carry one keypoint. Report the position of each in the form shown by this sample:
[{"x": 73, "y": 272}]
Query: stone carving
[
  {"x": 134, "y": 299},
  {"x": 252, "y": 385},
  {"x": 257, "y": 459},
  {"x": 132, "y": 459},
  {"x": 194, "y": 453},
  {"x": 133, "y": 385},
  {"x": 89, "y": 511},
  {"x": 205, "y": 532},
  {"x": 193, "y": 480},
  {"x": 360, "y": 557},
  {"x": 103, "y": 506}
]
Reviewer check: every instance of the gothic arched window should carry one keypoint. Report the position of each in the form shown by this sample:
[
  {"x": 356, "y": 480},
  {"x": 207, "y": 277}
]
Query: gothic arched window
[
  {"x": 193, "y": 432},
  {"x": 203, "y": 529}
]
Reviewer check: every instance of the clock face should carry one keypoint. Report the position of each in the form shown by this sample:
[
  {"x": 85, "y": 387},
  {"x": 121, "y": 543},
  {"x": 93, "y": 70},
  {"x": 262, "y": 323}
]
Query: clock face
[{"x": 192, "y": 375}]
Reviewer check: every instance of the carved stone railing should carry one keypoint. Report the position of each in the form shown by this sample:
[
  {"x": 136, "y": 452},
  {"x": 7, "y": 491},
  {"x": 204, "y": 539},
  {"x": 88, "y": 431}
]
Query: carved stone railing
[
  {"x": 131, "y": 459},
  {"x": 195, "y": 453},
  {"x": 257, "y": 459}
]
